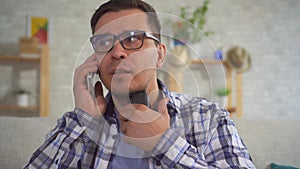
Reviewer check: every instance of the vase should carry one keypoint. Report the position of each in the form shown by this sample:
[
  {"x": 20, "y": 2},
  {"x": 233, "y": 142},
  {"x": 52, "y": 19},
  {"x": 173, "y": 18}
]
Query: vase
[{"x": 22, "y": 100}]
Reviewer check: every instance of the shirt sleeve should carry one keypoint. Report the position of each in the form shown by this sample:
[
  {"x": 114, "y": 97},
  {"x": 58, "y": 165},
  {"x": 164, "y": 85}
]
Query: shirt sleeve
[
  {"x": 64, "y": 144},
  {"x": 223, "y": 149}
]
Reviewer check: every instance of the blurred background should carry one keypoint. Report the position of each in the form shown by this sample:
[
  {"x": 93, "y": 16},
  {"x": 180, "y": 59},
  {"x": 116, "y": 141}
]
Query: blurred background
[{"x": 268, "y": 30}]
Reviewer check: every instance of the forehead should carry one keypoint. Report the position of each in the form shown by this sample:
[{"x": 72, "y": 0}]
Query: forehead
[{"x": 124, "y": 20}]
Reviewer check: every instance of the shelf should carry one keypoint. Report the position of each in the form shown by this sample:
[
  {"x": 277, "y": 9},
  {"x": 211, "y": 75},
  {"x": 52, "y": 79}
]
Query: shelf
[
  {"x": 18, "y": 111},
  {"x": 231, "y": 109},
  {"x": 208, "y": 62},
  {"x": 238, "y": 107},
  {"x": 18, "y": 108},
  {"x": 18, "y": 59},
  {"x": 41, "y": 58}
]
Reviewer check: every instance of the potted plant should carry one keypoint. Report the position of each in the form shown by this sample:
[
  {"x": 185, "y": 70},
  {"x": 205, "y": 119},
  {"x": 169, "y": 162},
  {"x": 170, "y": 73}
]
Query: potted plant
[
  {"x": 222, "y": 92},
  {"x": 184, "y": 32}
]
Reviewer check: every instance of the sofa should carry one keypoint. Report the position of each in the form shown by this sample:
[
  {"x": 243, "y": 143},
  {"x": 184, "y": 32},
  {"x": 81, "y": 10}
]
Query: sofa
[{"x": 268, "y": 140}]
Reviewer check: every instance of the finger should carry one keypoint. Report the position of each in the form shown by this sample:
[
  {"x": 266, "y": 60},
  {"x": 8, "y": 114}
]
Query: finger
[
  {"x": 123, "y": 128},
  {"x": 91, "y": 58},
  {"x": 95, "y": 57},
  {"x": 123, "y": 118},
  {"x": 90, "y": 65},
  {"x": 83, "y": 70},
  {"x": 100, "y": 100},
  {"x": 133, "y": 112},
  {"x": 138, "y": 113},
  {"x": 162, "y": 106},
  {"x": 164, "y": 111}
]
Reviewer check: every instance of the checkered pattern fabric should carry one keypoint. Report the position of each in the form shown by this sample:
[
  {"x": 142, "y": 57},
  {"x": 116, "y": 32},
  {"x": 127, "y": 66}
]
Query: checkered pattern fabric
[{"x": 201, "y": 136}]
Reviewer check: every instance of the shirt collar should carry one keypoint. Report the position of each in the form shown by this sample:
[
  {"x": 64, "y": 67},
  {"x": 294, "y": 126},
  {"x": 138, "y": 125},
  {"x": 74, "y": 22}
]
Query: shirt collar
[{"x": 174, "y": 101}]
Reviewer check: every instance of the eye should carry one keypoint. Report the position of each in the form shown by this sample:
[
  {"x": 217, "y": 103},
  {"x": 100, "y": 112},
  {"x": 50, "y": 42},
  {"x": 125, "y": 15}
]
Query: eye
[
  {"x": 132, "y": 39},
  {"x": 104, "y": 41}
]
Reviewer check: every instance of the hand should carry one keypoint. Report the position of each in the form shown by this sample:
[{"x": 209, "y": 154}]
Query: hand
[
  {"x": 83, "y": 98},
  {"x": 143, "y": 127}
]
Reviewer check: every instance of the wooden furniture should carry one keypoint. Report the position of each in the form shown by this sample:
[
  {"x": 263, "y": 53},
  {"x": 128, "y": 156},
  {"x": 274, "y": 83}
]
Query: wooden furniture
[
  {"x": 231, "y": 77},
  {"x": 42, "y": 107}
]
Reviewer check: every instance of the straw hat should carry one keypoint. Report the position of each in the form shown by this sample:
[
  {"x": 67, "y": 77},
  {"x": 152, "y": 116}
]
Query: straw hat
[{"x": 238, "y": 59}]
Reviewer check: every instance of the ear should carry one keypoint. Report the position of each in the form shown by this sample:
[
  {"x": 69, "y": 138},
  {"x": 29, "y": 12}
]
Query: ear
[{"x": 161, "y": 49}]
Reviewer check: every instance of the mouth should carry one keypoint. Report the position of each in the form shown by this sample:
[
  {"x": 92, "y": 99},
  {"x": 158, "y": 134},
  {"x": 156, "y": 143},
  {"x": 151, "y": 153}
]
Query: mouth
[{"x": 120, "y": 71}]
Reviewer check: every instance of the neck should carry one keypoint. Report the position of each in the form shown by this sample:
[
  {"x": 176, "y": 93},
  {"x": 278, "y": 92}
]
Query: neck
[{"x": 150, "y": 96}]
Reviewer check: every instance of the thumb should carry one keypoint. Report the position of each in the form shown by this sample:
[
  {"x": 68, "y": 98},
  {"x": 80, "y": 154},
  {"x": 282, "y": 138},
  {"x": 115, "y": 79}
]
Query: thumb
[
  {"x": 100, "y": 100},
  {"x": 162, "y": 105}
]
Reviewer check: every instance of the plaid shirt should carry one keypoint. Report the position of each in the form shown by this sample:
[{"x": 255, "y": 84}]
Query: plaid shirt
[{"x": 201, "y": 136}]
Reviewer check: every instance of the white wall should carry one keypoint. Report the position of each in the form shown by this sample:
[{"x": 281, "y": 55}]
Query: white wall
[{"x": 269, "y": 30}]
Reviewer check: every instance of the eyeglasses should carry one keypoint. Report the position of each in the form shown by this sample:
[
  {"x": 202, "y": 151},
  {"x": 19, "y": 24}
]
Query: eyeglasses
[{"x": 129, "y": 40}]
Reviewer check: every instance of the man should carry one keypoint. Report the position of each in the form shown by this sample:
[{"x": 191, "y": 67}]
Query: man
[{"x": 169, "y": 130}]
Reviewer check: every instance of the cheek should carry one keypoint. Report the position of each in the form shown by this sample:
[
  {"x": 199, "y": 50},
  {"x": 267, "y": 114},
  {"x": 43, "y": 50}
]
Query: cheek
[{"x": 145, "y": 59}]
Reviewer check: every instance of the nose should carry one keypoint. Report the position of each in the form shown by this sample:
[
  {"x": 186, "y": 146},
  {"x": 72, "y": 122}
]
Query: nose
[{"x": 118, "y": 52}]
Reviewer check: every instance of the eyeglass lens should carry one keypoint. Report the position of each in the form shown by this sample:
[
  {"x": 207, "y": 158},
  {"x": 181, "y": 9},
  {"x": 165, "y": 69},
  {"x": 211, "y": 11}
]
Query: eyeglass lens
[{"x": 128, "y": 40}]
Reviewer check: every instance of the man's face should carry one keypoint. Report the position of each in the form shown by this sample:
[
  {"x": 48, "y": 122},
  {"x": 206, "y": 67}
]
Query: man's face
[{"x": 121, "y": 70}]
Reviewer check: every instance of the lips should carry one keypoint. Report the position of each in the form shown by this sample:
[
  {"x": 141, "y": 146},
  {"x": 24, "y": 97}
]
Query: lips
[{"x": 120, "y": 71}]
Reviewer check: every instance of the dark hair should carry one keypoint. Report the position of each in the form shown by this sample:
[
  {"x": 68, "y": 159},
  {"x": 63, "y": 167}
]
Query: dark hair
[{"x": 118, "y": 5}]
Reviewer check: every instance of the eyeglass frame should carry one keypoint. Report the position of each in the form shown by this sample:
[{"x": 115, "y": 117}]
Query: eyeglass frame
[{"x": 145, "y": 34}]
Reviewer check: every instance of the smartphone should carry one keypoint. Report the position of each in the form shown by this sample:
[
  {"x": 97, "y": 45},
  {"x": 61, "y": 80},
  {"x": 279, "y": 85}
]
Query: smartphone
[
  {"x": 139, "y": 97},
  {"x": 90, "y": 80}
]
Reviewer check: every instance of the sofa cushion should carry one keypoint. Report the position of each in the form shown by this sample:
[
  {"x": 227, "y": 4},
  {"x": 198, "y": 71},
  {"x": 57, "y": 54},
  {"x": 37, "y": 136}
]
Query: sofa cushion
[
  {"x": 20, "y": 137},
  {"x": 276, "y": 166}
]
